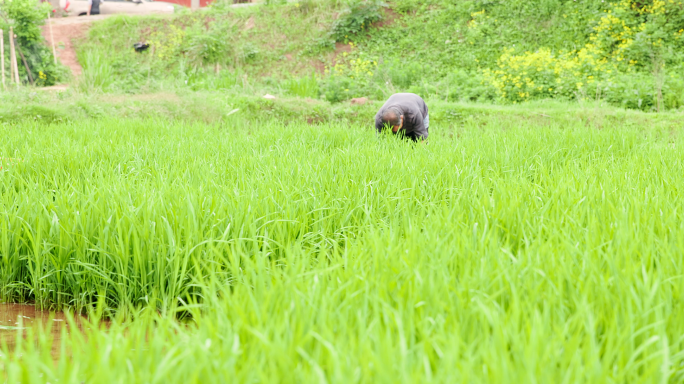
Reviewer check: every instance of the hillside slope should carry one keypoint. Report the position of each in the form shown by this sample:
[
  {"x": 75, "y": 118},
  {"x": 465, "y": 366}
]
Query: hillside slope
[{"x": 627, "y": 53}]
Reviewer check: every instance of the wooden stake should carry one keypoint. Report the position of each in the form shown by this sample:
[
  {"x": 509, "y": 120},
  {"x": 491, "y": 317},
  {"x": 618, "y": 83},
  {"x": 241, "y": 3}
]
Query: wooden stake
[
  {"x": 2, "y": 57},
  {"x": 14, "y": 73},
  {"x": 52, "y": 40},
  {"x": 23, "y": 59},
  {"x": 11, "y": 67},
  {"x": 16, "y": 59}
]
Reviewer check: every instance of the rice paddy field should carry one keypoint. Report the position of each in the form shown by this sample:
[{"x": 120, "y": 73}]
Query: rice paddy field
[{"x": 506, "y": 250}]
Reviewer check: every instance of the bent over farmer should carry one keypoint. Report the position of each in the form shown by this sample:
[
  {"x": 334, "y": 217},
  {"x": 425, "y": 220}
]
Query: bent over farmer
[{"x": 406, "y": 113}]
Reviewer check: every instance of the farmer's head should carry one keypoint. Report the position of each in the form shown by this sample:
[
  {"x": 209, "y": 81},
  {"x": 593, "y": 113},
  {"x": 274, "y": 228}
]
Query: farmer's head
[{"x": 393, "y": 117}]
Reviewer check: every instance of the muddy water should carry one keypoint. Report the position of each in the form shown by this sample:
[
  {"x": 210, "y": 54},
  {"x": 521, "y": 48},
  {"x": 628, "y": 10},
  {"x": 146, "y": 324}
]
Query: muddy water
[{"x": 20, "y": 317}]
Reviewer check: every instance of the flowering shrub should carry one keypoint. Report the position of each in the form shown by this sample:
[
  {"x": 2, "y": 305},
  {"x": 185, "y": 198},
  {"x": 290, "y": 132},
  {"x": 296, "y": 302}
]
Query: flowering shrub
[
  {"x": 198, "y": 44},
  {"x": 543, "y": 74},
  {"x": 350, "y": 76},
  {"x": 167, "y": 42},
  {"x": 628, "y": 37}
]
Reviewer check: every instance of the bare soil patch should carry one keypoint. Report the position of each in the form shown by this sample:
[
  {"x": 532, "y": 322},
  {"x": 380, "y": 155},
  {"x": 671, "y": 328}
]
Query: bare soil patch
[
  {"x": 389, "y": 18},
  {"x": 339, "y": 49},
  {"x": 318, "y": 66},
  {"x": 66, "y": 31}
]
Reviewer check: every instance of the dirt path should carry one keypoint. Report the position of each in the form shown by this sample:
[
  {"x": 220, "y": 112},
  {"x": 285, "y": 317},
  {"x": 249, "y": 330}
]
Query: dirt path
[{"x": 65, "y": 31}]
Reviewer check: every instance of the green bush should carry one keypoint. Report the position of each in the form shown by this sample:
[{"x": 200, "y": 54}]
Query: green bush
[
  {"x": 206, "y": 46},
  {"x": 483, "y": 50},
  {"x": 674, "y": 89},
  {"x": 630, "y": 40},
  {"x": 337, "y": 88},
  {"x": 404, "y": 6},
  {"x": 26, "y": 17},
  {"x": 638, "y": 91},
  {"x": 358, "y": 16},
  {"x": 249, "y": 52}
]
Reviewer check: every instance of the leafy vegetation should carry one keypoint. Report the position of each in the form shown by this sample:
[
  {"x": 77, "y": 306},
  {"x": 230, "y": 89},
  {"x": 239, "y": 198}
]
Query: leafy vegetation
[
  {"x": 26, "y": 16},
  {"x": 630, "y": 37},
  {"x": 356, "y": 18},
  {"x": 228, "y": 237},
  {"x": 627, "y": 53},
  {"x": 508, "y": 249}
]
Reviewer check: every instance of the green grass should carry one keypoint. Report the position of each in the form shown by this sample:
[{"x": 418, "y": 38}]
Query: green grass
[
  {"x": 512, "y": 248},
  {"x": 436, "y": 48},
  {"x": 258, "y": 42},
  {"x": 97, "y": 75}
]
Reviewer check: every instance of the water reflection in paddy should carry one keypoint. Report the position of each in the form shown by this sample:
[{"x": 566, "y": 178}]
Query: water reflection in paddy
[{"x": 16, "y": 318}]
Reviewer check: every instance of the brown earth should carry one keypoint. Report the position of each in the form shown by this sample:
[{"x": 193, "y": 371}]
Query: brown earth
[
  {"x": 359, "y": 101},
  {"x": 390, "y": 17},
  {"x": 20, "y": 317},
  {"x": 318, "y": 66},
  {"x": 66, "y": 31},
  {"x": 340, "y": 48},
  {"x": 249, "y": 24}
]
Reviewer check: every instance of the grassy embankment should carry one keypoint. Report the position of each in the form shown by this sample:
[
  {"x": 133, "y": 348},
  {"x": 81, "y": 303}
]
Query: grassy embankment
[
  {"x": 628, "y": 53},
  {"x": 508, "y": 249}
]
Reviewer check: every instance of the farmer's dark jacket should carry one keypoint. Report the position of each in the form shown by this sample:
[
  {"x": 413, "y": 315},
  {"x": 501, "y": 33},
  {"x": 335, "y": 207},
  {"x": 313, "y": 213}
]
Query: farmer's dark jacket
[{"x": 414, "y": 110}]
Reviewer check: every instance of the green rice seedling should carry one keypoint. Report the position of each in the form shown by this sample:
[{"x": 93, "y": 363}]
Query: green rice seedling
[{"x": 506, "y": 250}]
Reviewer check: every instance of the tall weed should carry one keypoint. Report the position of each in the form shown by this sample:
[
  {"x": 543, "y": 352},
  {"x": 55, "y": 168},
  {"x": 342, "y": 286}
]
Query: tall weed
[
  {"x": 306, "y": 86},
  {"x": 97, "y": 74}
]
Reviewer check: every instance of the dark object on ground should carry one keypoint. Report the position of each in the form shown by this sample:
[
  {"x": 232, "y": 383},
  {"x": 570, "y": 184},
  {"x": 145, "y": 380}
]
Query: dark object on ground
[{"x": 139, "y": 47}]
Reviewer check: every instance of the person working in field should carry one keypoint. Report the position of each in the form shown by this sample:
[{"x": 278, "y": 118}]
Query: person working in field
[{"x": 404, "y": 113}]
